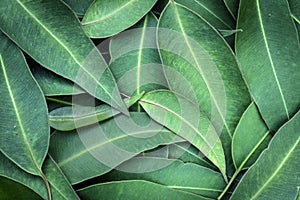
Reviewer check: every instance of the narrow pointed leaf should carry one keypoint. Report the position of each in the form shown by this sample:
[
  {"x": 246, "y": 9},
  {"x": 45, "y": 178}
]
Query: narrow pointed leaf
[
  {"x": 65, "y": 50},
  {"x": 104, "y": 13},
  {"x": 232, "y": 6},
  {"x": 214, "y": 11},
  {"x": 78, "y": 6},
  {"x": 184, "y": 118},
  {"x": 135, "y": 60},
  {"x": 60, "y": 188},
  {"x": 107, "y": 145},
  {"x": 23, "y": 111},
  {"x": 250, "y": 138},
  {"x": 277, "y": 167},
  {"x": 134, "y": 190},
  {"x": 172, "y": 173},
  {"x": 272, "y": 69},
  {"x": 71, "y": 117}
]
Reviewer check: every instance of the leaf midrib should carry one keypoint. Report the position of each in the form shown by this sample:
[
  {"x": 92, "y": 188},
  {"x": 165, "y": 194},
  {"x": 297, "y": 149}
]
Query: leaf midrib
[{"x": 271, "y": 59}]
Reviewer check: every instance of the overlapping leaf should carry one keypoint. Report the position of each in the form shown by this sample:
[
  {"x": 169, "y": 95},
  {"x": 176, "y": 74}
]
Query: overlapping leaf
[
  {"x": 106, "y": 13},
  {"x": 269, "y": 53},
  {"x": 78, "y": 6},
  {"x": 65, "y": 50},
  {"x": 232, "y": 6}
]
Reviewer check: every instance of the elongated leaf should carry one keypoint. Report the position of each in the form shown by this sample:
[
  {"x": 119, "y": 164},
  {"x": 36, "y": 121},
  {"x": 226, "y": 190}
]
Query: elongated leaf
[
  {"x": 277, "y": 167},
  {"x": 106, "y": 13},
  {"x": 133, "y": 190},
  {"x": 172, "y": 173},
  {"x": 107, "y": 145},
  {"x": 272, "y": 69},
  {"x": 52, "y": 84},
  {"x": 205, "y": 72},
  {"x": 185, "y": 119},
  {"x": 135, "y": 60},
  {"x": 71, "y": 117},
  {"x": 60, "y": 188},
  {"x": 250, "y": 138},
  {"x": 78, "y": 6},
  {"x": 214, "y": 11},
  {"x": 232, "y": 6},
  {"x": 10, "y": 189},
  {"x": 23, "y": 111},
  {"x": 65, "y": 50}
]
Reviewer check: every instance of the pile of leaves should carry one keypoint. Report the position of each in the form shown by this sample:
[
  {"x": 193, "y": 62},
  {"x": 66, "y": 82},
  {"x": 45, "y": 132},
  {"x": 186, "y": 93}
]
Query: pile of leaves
[{"x": 150, "y": 99}]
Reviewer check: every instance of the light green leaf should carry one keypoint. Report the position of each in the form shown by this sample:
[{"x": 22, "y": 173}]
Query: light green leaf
[
  {"x": 172, "y": 173},
  {"x": 275, "y": 175},
  {"x": 52, "y": 84},
  {"x": 135, "y": 60},
  {"x": 60, "y": 188},
  {"x": 214, "y": 11},
  {"x": 134, "y": 190},
  {"x": 23, "y": 111},
  {"x": 117, "y": 15},
  {"x": 184, "y": 118},
  {"x": 201, "y": 66},
  {"x": 250, "y": 138},
  {"x": 78, "y": 6},
  {"x": 106, "y": 145},
  {"x": 269, "y": 54},
  {"x": 65, "y": 50},
  {"x": 71, "y": 117},
  {"x": 232, "y": 6}
]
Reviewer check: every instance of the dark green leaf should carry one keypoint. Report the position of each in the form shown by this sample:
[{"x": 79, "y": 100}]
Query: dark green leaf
[
  {"x": 65, "y": 50},
  {"x": 79, "y": 6},
  {"x": 117, "y": 15},
  {"x": 232, "y": 6},
  {"x": 269, "y": 53}
]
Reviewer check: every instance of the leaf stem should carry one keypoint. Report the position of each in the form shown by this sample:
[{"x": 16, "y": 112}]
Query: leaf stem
[
  {"x": 229, "y": 183},
  {"x": 47, "y": 185}
]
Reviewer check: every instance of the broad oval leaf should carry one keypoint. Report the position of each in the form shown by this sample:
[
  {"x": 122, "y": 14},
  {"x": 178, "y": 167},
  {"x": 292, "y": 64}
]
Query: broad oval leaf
[
  {"x": 23, "y": 111},
  {"x": 135, "y": 60},
  {"x": 78, "y": 6},
  {"x": 134, "y": 190},
  {"x": 172, "y": 173},
  {"x": 107, "y": 145},
  {"x": 112, "y": 14},
  {"x": 65, "y": 50},
  {"x": 269, "y": 54},
  {"x": 250, "y": 138},
  {"x": 275, "y": 175},
  {"x": 184, "y": 118},
  {"x": 60, "y": 188}
]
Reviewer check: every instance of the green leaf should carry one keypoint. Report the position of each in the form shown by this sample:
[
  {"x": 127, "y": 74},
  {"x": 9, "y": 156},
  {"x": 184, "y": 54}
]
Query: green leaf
[
  {"x": 52, "y": 84},
  {"x": 232, "y": 6},
  {"x": 65, "y": 50},
  {"x": 71, "y": 117},
  {"x": 275, "y": 175},
  {"x": 78, "y": 6},
  {"x": 269, "y": 54},
  {"x": 251, "y": 137},
  {"x": 60, "y": 188},
  {"x": 135, "y": 60},
  {"x": 10, "y": 189},
  {"x": 107, "y": 145},
  {"x": 172, "y": 173},
  {"x": 214, "y": 11},
  {"x": 133, "y": 190},
  {"x": 295, "y": 8},
  {"x": 117, "y": 15},
  {"x": 184, "y": 118},
  {"x": 23, "y": 111}
]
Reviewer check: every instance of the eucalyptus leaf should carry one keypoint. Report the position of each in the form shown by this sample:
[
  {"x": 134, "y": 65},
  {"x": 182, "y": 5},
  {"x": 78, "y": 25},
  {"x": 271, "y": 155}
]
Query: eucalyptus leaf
[
  {"x": 78, "y": 6},
  {"x": 134, "y": 190},
  {"x": 60, "y": 188},
  {"x": 232, "y": 6},
  {"x": 277, "y": 167},
  {"x": 104, "y": 13},
  {"x": 23, "y": 125},
  {"x": 65, "y": 50},
  {"x": 106, "y": 145},
  {"x": 184, "y": 118},
  {"x": 269, "y": 54},
  {"x": 172, "y": 173}
]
